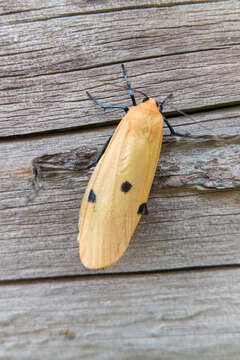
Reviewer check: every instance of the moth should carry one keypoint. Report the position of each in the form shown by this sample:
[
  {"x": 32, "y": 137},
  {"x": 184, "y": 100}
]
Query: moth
[{"x": 118, "y": 190}]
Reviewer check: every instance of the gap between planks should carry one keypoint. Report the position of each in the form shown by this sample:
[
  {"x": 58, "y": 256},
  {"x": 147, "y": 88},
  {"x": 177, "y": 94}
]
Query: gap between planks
[
  {"x": 108, "y": 124},
  {"x": 99, "y": 275}
]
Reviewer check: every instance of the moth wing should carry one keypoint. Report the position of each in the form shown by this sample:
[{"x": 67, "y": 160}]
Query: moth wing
[{"x": 119, "y": 185}]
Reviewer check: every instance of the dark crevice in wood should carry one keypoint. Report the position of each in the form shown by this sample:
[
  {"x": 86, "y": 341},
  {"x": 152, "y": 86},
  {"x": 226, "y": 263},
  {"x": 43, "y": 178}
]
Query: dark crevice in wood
[
  {"x": 93, "y": 126},
  {"x": 7, "y": 13},
  {"x": 31, "y": 51},
  {"x": 100, "y": 275},
  {"x": 102, "y": 11},
  {"x": 203, "y": 109},
  {"x": 48, "y": 133},
  {"x": 111, "y": 63}
]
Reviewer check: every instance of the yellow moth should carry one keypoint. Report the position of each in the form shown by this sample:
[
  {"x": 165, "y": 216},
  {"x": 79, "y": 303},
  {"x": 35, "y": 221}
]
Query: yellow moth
[{"x": 118, "y": 190}]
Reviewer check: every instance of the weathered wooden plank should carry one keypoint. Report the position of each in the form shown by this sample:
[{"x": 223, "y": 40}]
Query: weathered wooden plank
[
  {"x": 44, "y": 63},
  {"x": 52, "y": 53},
  {"x": 111, "y": 31},
  {"x": 22, "y": 10},
  {"x": 194, "y": 217},
  {"x": 192, "y": 314}
]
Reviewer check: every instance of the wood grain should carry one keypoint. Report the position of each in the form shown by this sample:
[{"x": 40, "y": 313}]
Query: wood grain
[
  {"x": 51, "y": 53},
  {"x": 21, "y": 10},
  {"x": 47, "y": 63},
  {"x": 191, "y": 314},
  {"x": 193, "y": 205}
]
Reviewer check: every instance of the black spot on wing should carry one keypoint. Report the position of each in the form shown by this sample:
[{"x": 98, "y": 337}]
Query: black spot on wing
[
  {"x": 92, "y": 196},
  {"x": 126, "y": 186},
  {"x": 143, "y": 209}
]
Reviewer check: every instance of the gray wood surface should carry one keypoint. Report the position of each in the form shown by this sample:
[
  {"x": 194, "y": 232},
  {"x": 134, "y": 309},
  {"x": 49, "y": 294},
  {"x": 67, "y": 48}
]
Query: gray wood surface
[
  {"x": 144, "y": 306},
  {"x": 195, "y": 188},
  {"x": 47, "y": 62},
  {"x": 176, "y": 315}
]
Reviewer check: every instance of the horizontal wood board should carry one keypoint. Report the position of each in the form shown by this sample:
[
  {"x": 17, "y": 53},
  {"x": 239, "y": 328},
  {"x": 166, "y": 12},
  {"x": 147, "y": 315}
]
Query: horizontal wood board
[
  {"x": 185, "y": 315},
  {"x": 51, "y": 53},
  {"x": 47, "y": 65},
  {"x": 193, "y": 207}
]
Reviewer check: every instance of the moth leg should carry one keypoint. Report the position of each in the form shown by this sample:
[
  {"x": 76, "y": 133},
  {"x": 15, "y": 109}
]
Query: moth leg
[
  {"x": 143, "y": 210},
  {"x": 128, "y": 85},
  {"x": 164, "y": 102},
  {"x": 173, "y": 132},
  {"x": 102, "y": 151},
  {"x": 123, "y": 107}
]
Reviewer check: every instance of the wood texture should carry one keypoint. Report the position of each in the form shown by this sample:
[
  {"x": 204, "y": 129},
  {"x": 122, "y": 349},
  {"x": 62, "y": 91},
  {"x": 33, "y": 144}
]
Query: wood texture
[
  {"x": 47, "y": 63},
  {"x": 196, "y": 187},
  {"x": 183, "y": 315},
  {"x": 50, "y": 55}
]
